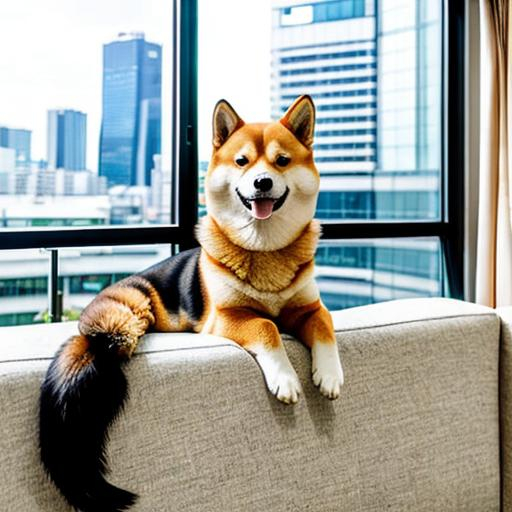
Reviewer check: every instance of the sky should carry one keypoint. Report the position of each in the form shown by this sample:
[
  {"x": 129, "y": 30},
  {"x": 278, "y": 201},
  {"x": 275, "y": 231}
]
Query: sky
[{"x": 51, "y": 57}]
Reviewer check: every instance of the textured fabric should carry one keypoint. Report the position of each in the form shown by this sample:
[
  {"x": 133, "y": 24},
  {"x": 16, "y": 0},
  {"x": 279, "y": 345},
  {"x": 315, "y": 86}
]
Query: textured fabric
[
  {"x": 416, "y": 427},
  {"x": 494, "y": 252},
  {"x": 402, "y": 311},
  {"x": 506, "y": 406}
]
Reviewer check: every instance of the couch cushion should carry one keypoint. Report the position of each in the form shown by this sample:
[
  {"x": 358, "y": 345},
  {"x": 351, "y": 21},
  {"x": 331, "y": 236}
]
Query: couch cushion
[
  {"x": 416, "y": 427},
  {"x": 506, "y": 405}
]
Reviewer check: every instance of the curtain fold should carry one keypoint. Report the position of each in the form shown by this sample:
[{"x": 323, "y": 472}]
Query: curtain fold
[{"x": 494, "y": 246}]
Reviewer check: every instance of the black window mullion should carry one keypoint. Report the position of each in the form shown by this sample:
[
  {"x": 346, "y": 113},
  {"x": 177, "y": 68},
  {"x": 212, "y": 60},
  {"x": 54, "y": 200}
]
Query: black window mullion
[
  {"x": 453, "y": 239},
  {"x": 361, "y": 230},
  {"x": 126, "y": 235},
  {"x": 186, "y": 200}
]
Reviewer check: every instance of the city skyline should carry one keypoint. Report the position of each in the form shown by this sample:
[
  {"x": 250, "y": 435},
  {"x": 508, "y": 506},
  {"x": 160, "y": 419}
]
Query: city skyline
[
  {"x": 64, "y": 69},
  {"x": 67, "y": 62}
]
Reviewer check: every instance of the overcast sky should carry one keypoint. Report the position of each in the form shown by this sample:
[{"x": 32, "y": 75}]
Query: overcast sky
[{"x": 51, "y": 57}]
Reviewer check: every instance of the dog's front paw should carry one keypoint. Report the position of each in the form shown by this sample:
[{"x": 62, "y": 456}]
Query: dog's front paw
[
  {"x": 285, "y": 386},
  {"x": 329, "y": 384},
  {"x": 280, "y": 377},
  {"x": 326, "y": 369}
]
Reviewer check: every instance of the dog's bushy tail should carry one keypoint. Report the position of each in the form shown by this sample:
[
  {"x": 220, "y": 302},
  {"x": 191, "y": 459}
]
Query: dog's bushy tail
[{"x": 84, "y": 391}]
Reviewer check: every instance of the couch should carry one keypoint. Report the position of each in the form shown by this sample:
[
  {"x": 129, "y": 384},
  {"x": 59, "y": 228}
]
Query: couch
[{"x": 423, "y": 424}]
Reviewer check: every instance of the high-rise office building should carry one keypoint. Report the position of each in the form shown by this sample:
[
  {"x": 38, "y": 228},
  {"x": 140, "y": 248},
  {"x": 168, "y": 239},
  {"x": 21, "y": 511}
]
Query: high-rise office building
[
  {"x": 409, "y": 38},
  {"x": 66, "y": 139},
  {"x": 131, "y": 121},
  {"x": 374, "y": 71},
  {"x": 328, "y": 49},
  {"x": 19, "y": 140}
]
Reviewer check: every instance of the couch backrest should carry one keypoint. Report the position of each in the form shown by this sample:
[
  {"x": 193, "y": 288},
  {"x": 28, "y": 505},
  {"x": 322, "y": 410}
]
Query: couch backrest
[
  {"x": 416, "y": 427},
  {"x": 506, "y": 406}
]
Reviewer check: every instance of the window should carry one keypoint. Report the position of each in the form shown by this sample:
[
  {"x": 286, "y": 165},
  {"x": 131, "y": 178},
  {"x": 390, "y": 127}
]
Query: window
[
  {"x": 87, "y": 135},
  {"x": 385, "y": 137},
  {"x": 389, "y": 95},
  {"x": 352, "y": 273},
  {"x": 23, "y": 286}
]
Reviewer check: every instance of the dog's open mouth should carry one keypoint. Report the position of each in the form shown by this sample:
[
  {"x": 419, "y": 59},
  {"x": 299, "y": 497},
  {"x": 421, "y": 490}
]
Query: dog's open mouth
[{"x": 262, "y": 208}]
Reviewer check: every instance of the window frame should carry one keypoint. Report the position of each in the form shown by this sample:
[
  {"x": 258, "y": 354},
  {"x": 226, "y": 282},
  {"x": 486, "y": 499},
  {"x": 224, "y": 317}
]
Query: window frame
[
  {"x": 184, "y": 212},
  {"x": 180, "y": 230}
]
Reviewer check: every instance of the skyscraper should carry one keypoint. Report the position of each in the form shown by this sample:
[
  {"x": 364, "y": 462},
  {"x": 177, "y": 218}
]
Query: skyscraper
[
  {"x": 131, "y": 122},
  {"x": 409, "y": 38},
  {"x": 374, "y": 71},
  {"x": 66, "y": 139},
  {"x": 328, "y": 49},
  {"x": 17, "y": 139}
]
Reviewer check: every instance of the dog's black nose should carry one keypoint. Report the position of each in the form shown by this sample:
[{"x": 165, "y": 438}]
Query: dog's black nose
[{"x": 263, "y": 184}]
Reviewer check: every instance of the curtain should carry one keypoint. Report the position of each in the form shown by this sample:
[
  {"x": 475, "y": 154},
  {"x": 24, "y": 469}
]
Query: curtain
[{"x": 494, "y": 246}]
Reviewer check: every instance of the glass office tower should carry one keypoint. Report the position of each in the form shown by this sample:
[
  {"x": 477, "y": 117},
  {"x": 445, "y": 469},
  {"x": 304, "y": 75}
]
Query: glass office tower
[
  {"x": 373, "y": 68},
  {"x": 131, "y": 121},
  {"x": 66, "y": 139},
  {"x": 409, "y": 36},
  {"x": 328, "y": 49},
  {"x": 19, "y": 140}
]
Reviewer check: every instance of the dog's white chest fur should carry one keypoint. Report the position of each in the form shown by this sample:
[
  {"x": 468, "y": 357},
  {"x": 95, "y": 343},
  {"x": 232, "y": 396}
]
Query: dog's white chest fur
[{"x": 225, "y": 290}]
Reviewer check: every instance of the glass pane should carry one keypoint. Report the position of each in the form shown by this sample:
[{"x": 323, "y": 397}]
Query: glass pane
[
  {"x": 86, "y": 271},
  {"x": 85, "y": 108},
  {"x": 374, "y": 71},
  {"x": 23, "y": 286},
  {"x": 358, "y": 272},
  {"x": 83, "y": 272}
]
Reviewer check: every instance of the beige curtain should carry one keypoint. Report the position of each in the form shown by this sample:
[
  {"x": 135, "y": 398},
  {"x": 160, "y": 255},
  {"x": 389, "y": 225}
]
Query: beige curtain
[{"x": 494, "y": 250}]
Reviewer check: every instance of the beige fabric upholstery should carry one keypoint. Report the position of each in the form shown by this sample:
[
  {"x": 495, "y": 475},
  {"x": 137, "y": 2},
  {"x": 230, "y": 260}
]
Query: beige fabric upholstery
[
  {"x": 416, "y": 427},
  {"x": 506, "y": 405}
]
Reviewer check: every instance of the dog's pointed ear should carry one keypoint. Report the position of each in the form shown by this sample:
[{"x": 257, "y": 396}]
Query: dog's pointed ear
[
  {"x": 225, "y": 122},
  {"x": 300, "y": 119}
]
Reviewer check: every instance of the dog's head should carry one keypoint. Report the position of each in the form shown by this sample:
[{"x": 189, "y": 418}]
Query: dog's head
[{"x": 262, "y": 184}]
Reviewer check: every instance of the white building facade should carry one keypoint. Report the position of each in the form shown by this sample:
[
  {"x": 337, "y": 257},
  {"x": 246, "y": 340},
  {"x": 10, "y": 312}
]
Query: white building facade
[{"x": 373, "y": 68}]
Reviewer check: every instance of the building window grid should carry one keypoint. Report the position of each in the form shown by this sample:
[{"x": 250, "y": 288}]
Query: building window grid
[
  {"x": 326, "y": 69},
  {"x": 23, "y": 286},
  {"x": 328, "y": 56},
  {"x": 346, "y": 145},
  {"x": 346, "y": 133},
  {"x": 329, "y": 81},
  {"x": 385, "y": 259},
  {"x": 330, "y": 159},
  {"x": 342, "y": 106},
  {"x": 346, "y": 119},
  {"x": 336, "y": 94}
]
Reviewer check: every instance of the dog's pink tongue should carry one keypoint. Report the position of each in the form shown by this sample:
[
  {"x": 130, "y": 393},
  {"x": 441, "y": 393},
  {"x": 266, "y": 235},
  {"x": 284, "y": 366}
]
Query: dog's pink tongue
[{"x": 262, "y": 208}]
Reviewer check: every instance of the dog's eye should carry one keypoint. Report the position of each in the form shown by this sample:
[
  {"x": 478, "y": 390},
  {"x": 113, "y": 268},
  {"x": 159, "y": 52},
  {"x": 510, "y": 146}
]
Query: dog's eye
[
  {"x": 282, "y": 161},
  {"x": 241, "y": 161}
]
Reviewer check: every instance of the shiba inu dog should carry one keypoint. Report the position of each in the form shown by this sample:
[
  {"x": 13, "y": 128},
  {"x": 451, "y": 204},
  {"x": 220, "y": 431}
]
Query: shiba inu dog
[{"x": 251, "y": 277}]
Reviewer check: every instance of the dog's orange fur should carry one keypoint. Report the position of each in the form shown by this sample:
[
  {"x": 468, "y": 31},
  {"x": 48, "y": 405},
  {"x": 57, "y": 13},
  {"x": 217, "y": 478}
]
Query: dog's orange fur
[
  {"x": 263, "y": 141},
  {"x": 246, "y": 327},
  {"x": 310, "y": 323},
  {"x": 74, "y": 357}
]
